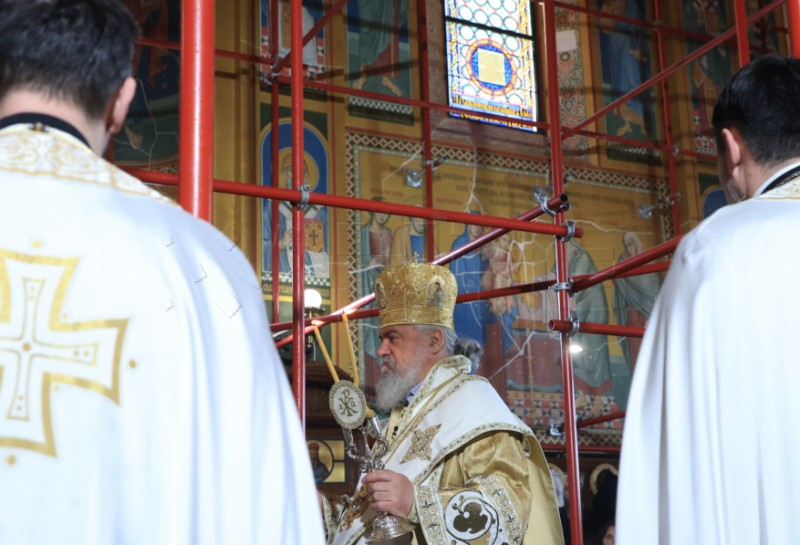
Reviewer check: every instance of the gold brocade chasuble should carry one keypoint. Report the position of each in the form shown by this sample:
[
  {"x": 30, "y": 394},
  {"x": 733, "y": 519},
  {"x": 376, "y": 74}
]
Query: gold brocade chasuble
[{"x": 451, "y": 413}]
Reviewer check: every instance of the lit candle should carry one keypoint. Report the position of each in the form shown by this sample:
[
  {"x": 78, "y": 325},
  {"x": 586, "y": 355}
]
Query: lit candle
[
  {"x": 325, "y": 354},
  {"x": 353, "y": 367}
]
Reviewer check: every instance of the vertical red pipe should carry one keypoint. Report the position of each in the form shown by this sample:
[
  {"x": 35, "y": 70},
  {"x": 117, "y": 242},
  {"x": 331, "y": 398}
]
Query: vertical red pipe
[
  {"x": 424, "y": 88},
  {"x": 274, "y": 41},
  {"x": 562, "y": 273},
  {"x": 673, "y": 183},
  {"x": 793, "y": 7},
  {"x": 741, "y": 31},
  {"x": 298, "y": 217},
  {"x": 196, "y": 120}
]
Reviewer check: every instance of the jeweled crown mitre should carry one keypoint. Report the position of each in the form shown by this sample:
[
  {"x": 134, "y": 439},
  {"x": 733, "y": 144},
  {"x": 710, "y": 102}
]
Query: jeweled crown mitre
[{"x": 416, "y": 293}]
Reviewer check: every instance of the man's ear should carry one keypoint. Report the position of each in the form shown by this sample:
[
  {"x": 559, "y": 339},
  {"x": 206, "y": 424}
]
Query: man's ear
[
  {"x": 733, "y": 147},
  {"x": 436, "y": 340},
  {"x": 120, "y": 105}
]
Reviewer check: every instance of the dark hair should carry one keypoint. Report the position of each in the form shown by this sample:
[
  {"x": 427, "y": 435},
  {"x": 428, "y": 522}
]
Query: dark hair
[
  {"x": 470, "y": 349},
  {"x": 602, "y": 529},
  {"x": 74, "y": 50},
  {"x": 761, "y": 102}
]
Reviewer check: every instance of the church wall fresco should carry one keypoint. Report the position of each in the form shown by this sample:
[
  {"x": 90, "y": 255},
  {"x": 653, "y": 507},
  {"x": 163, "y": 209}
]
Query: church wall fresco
[
  {"x": 521, "y": 355},
  {"x": 149, "y": 137},
  {"x": 366, "y": 148}
]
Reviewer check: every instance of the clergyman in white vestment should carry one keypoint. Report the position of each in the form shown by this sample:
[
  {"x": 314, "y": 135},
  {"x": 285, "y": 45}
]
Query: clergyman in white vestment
[
  {"x": 141, "y": 397},
  {"x": 710, "y": 453}
]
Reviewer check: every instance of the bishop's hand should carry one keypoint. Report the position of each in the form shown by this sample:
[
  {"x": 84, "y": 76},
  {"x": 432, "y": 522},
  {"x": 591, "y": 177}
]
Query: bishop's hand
[{"x": 390, "y": 492}]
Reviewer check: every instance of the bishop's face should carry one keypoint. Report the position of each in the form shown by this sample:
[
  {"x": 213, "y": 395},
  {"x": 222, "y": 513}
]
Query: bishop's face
[{"x": 402, "y": 354}]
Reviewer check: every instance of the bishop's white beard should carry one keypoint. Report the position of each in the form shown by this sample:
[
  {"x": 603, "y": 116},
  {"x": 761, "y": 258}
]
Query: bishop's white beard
[{"x": 394, "y": 387}]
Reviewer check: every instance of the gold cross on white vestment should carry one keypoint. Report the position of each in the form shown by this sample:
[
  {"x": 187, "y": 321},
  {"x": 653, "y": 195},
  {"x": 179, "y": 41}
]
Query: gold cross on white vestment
[
  {"x": 421, "y": 444},
  {"x": 39, "y": 348}
]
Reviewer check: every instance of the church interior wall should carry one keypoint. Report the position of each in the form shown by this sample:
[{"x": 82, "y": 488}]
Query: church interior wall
[{"x": 362, "y": 147}]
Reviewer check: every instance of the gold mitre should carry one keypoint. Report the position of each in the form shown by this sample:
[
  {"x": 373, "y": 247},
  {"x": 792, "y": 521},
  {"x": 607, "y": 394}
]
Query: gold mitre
[{"x": 416, "y": 293}]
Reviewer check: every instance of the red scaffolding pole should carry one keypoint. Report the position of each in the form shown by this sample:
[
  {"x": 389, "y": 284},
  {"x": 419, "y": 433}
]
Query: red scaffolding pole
[
  {"x": 196, "y": 125},
  {"x": 275, "y": 108},
  {"x": 298, "y": 216},
  {"x": 562, "y": 275},
  {"x": 667, "y": 120},
  {"x": 424, "y": 88},
  {"x": 794, "y": 26},
  {"x": 743, "y": 42}
]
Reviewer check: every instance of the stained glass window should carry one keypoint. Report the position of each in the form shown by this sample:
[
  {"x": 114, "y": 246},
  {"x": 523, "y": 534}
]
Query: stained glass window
[{"x": 490, "y": 61}]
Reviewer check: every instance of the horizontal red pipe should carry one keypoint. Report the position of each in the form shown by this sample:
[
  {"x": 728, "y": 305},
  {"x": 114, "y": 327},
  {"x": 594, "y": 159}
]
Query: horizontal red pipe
[
  {"x": 661, "y": 266},
  {"x": 565, "y": 326},
  {"x": 584, "y": 448},
  {"x": 545, "y": 284},
  {"x": 466, "y": 297},
  {"x": 368, "y": 205},
  {"x": 175, "y": 46},
  {"x": 600, "y": 419},
  {"x": 696, "y": 154},
  {"x": 615, "y": 270}
]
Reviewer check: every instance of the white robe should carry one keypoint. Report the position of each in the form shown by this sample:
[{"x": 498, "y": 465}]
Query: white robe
[
  {"x": 710, "y": 452},
  {"x": 141, "y": 397}
]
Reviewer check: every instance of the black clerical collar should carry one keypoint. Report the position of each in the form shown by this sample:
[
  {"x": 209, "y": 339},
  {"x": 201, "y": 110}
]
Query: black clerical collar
[
  {"x": 784, "y": 178},
  {"x": 45, "y": 120}
]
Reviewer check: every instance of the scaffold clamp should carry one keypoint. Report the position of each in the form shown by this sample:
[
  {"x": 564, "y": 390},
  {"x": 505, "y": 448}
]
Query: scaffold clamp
[
  {"x": 305, "y": 193},
  {"x": 541, "y": 197},
  {"x": 576, "y": 325},
  {"x": 562, "y": 286},
  {"x": 570, "y": 225}
]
